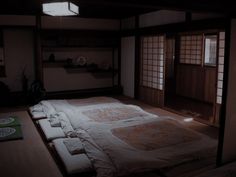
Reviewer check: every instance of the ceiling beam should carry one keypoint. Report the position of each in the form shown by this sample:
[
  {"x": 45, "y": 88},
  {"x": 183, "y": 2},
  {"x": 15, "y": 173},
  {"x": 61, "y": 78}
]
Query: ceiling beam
[{"x": 184, "y": 5}]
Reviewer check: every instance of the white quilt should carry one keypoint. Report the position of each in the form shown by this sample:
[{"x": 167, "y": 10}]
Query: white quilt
[{"x": 112, "y": 138}]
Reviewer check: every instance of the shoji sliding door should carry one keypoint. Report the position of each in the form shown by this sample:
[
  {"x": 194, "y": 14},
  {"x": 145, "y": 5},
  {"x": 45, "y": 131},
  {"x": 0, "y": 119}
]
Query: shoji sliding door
[
  {"x": 151, "y": 89},
  {"x": 221, "y": 58}
]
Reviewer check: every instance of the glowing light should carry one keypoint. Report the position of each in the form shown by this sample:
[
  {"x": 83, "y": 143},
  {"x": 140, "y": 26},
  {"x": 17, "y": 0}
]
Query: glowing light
[
  {"x": 188, "y": 119},
  {"x": 60, "y": 9}
]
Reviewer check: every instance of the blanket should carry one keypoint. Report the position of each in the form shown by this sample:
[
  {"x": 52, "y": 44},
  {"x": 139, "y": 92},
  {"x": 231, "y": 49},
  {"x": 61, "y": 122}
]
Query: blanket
[
  {"x": 124, "y": 139},
  {"x": 46, "y": 108},
  {"x": 140, "y": 146}
]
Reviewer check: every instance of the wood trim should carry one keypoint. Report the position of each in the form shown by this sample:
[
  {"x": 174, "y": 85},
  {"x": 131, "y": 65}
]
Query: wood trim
[
  {"x": 224, "y": 94},
  {"x": 16, "y": 26},
  {"x": 84, "y": 93},
  {"x": 188, "y": 17},
  {"x": 2, "y": 67},
  {"x": 38, "y": 52},
  {"x": 119, "y": 63},
  {"x": 216, "y": 109},
  {"x": 137, "y": 59},
  {"x": 119, "y": 57},
  {"x": 152, "y": 96},
  {"x": 183, "y": 27},
  {"x": 79, "y": 38}
]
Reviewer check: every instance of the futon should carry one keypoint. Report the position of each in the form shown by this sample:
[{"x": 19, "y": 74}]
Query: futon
[
  {"x": 121, "y": 139},
  {"x": 46, "y": 108},
  {"x": 49, "y": 132},
  {"x": 78, "y": 163},
  {"x": 123, "y": 148},
  {"x": 42, "y": 111}
]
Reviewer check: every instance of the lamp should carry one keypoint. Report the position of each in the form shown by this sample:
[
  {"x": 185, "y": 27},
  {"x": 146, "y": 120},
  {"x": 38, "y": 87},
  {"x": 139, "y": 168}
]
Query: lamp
[{"x": 60, "y": 9}]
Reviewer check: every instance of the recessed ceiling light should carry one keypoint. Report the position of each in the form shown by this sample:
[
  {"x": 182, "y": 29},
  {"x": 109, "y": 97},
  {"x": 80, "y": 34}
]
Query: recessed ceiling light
[{"x": 60, "y": 9}]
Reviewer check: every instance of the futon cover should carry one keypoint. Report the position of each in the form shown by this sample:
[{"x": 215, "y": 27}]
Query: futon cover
[{"x": 123, "y": 139}]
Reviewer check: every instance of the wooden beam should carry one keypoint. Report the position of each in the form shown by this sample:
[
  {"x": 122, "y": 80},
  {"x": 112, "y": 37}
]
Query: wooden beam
[
  {"x": 224, "y": 94},
  {"x": 38, "y": 52},
  {"x": 137, "y": 59}
]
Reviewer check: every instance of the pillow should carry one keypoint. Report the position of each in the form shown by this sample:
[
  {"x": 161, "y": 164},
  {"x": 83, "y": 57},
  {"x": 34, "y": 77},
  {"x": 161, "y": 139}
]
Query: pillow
[{"x": 74, "y": 146}]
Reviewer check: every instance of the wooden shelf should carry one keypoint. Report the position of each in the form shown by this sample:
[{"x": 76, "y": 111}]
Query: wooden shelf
[
  {"x": 75, "y": 69},
  {"x": 75, "y": 48},
  {"x": 55, "y": 64},
  {"x": 97, "y": 73}
]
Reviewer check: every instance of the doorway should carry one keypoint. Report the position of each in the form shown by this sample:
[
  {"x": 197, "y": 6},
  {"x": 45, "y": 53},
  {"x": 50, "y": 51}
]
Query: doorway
[{"x": 191, "y": 75}]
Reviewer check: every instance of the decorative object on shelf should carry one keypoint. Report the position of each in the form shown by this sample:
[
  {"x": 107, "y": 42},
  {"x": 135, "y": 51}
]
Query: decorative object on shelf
[
  {"x": 80, "y": 61},
  {"x": 51, "y": 57}
]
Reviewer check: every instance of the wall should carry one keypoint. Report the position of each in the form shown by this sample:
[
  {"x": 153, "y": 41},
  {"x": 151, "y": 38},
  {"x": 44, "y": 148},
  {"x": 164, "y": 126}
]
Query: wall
[
  {"x": 197, "y": 82},
  {"x": 79, "y": 23},
  {"x": 202, "y": 16},
  {"x": 127, "y": 65},
  {"x": 229, "y": 148},
  {"x": 19, "y": 54},
  {"x": 17, "y": 20},
  {"x": 76, "y": 80},
  {"x": 161, "y": 17}
]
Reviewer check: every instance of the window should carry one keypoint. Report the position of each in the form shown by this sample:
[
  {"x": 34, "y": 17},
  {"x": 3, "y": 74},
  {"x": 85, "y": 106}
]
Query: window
[
  {"x": 210, "y": 50},
  {"x": 191, "y": 49},
  {"x": 152, "y": 59}
]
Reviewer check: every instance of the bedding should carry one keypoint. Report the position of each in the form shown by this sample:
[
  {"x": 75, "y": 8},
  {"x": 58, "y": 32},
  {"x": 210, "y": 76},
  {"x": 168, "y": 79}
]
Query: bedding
[
  {"x": 54, "y": 120},
  {"x": 114, "y": 113},
  {"x": 74, "y": 146},
  {"x": 78, "y": 163},
  {"x": 50, "y": 133},
  {"x": 121, "y": 139},
  {"x": 46, "y": 108},
  {"x": 115, "y": 154}
]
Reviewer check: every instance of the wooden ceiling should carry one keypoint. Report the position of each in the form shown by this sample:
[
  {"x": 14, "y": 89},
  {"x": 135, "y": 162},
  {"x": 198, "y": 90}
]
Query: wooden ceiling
[{"x": 119, "y": 9}]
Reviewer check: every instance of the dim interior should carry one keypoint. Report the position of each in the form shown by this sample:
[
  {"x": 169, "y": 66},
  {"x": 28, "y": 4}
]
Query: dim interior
[{"x": 146, "y": 92}]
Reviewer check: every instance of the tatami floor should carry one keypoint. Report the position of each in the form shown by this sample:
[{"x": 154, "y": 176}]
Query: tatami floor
[{"x": 30, "y": 157}]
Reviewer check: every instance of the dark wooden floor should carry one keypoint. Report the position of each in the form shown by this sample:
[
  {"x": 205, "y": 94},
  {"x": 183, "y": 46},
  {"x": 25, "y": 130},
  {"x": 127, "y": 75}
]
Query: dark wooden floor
[
  {"x": 27, "y": 157},
  {"x": 190, "y": 107},
  {"x": 186, "y": 120}
]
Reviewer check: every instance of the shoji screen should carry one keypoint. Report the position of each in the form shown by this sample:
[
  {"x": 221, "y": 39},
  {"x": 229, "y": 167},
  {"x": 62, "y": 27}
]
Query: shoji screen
[
  {"x": 191, "y": 48},
  {"x": 152, "y": 61},
  {"x": 220, "y": 67}
]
